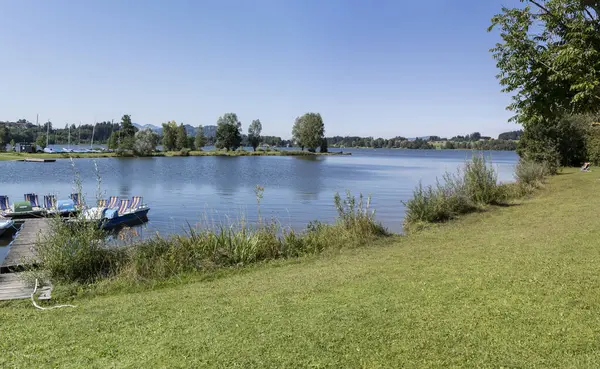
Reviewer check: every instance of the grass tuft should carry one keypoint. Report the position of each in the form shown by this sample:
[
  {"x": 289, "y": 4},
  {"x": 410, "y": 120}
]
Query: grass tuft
[
  {"x": 466, "y": 191},
  {"x": 530, "y": 175}
]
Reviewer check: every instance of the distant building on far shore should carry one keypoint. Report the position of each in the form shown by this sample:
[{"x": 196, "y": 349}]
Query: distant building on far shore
[{"x": 24, "y": 147}]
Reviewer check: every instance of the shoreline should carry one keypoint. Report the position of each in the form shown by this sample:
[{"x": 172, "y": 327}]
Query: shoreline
[
  {"x": 12, "y": 156},
  {"x": 499, "y": 280}
]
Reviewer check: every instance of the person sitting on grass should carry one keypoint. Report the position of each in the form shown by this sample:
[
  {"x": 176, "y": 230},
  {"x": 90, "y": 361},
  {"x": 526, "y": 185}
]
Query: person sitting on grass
[{"x": 586, "y": 167}]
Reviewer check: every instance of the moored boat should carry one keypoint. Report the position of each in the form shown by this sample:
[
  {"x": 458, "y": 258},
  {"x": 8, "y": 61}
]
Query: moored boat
[
  {"x": 61, "y": 207},
  {"x": 128, "y": 213},
  {"x": 21, "y": 209},
  {"x": 5, "y": 225}
]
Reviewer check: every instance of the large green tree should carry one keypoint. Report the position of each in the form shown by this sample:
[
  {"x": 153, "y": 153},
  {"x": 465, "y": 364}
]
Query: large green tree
[
  {"x": 228, "y": 132},
  {"x": 169, "y": 133},
  {"x": 309, "y": 131},
  {"x": 200, "y": 141},
  {"x": 145, "y": 142},
  {"x": 182, "y": 140},
  {"x": 254, "y": 131},
  {"x": 126, "y": 133},
  {"x": 549, "y": 60}
]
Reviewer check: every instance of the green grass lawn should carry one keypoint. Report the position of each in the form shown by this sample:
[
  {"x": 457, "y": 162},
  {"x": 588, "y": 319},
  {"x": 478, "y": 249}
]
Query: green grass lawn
[{"x": 516, "y": 286}]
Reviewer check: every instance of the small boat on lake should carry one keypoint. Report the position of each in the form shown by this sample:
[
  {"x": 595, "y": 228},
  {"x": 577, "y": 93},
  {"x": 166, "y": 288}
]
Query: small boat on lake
[
  {"x": 5, "y": 225},
  {"x": 63, "y": 208},
  {"x": 108, "y": 217}
]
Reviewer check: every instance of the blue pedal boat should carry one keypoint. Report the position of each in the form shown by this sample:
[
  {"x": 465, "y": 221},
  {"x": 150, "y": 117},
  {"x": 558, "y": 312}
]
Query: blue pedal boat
[{"x": 63, "y": 208}]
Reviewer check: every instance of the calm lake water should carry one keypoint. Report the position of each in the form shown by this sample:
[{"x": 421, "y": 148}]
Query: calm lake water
[{"x": 201, "y": 190}]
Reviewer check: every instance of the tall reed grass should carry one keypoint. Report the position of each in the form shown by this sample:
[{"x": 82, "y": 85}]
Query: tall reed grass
[
  {"x": 530, "y": 175},
  {"x": 469, "y": 189},
  {"x": 80, "y": 253}
]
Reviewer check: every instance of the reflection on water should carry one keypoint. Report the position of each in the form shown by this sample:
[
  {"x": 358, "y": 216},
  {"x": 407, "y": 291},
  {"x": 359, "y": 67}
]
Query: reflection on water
[{"x": 208, "y": 190}]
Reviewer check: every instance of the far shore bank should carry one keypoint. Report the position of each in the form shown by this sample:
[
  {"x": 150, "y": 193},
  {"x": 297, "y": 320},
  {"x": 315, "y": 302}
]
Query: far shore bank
[{"x": 13, "y": 156}]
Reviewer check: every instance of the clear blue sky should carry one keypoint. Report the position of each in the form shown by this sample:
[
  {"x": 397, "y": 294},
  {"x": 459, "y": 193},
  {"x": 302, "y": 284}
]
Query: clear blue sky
[{"x": 370, "y": 67}]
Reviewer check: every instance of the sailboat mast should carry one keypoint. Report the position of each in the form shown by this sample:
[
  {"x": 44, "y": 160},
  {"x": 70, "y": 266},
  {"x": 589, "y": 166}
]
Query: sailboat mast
[
  {"x": 69, "y": 142},
  {"x": 93, "y": 129},
  {"x": 47, "y": 131}
]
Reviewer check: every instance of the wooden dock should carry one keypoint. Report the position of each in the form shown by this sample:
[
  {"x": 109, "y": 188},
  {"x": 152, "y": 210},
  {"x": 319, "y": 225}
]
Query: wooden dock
[
  {"x": 21, "y": 253},
  {"x": 39, "y": 160},
  {"x": 14, "y": 287},
  {"x": 21, "y": 250}
]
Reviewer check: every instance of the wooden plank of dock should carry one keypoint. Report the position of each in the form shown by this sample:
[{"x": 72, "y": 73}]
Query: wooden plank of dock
[
  {"x": 21, "y": 253},
  {"x": 13, "y": 287},
  {"x": 22, "y": 250}
]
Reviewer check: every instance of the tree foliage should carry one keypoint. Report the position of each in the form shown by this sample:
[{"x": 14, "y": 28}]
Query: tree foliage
[
  {"x": 549, "y": 60},
  {"x": 41, "y": 141},
  {"x": 169, "y": 140},
  {"x": 113, "y": 141},
  {"x": 512, "y": 135},
  {"x": 593, "y": 143},
  {"x": 254, "y": 131},
  {"x": 309, "y": 131},
  {"x": 324, "y": 147},
  {"x": 146, "y": 141},
  {"x": 297, "y": 133},
  {"x": 559, "y": 142},
  {"x": 4, "y": 138},
  {"x": 127, "y": 128},
  {"x": 229, "y": 136},
  {"x": 23, "y": 131},
  {"x": 126, "y": 134},
  {"x": 200, "y": 141},
  {"x": 181, "y": 141}
]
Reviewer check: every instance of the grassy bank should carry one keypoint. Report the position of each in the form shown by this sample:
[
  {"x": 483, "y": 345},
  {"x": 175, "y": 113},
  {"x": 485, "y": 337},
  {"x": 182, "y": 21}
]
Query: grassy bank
[
  {"x": 80, "y": 255},
  {"x": 19, "y": 156},
  {"x": 516, "y": 286}
]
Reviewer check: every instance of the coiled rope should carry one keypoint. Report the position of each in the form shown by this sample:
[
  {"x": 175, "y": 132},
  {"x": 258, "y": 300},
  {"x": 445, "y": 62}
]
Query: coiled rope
[{"x": 45, "y": 308}]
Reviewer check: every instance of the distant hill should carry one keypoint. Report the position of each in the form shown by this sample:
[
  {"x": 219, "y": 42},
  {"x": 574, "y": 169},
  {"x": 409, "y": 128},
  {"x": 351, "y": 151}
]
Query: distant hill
[{"x": 152, "y": 127}]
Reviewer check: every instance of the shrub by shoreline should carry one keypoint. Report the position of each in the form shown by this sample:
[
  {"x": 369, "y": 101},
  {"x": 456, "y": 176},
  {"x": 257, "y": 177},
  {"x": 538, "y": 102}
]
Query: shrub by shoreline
[{"x": 470, "y": 189}]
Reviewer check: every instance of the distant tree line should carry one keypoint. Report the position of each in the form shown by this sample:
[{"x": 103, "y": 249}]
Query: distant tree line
[
  {"x": 308, "y": 133},
  {"x": 501, "y": 145},
  {"x": 470, "y": 141},
  {"x": 24, "y": 131},
  {"x": 513, "y": 135}
]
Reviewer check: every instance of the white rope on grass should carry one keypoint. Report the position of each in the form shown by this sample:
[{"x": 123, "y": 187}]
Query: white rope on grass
[{"x": 43, "y": 308}]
